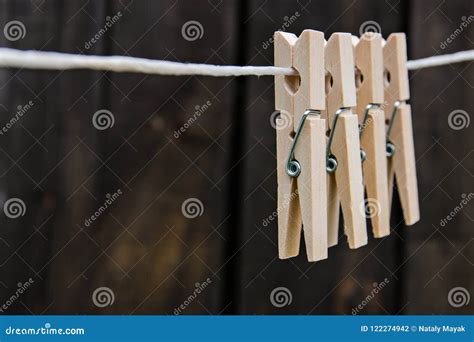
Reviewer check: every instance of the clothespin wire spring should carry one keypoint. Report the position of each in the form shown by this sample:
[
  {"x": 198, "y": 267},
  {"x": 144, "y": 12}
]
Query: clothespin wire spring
[
  {"x": 293, "y": 167},
  {"x": 364, "y": 125},
  {"x": 390, "y": 146},
  {"x": 331, "y": 161}
]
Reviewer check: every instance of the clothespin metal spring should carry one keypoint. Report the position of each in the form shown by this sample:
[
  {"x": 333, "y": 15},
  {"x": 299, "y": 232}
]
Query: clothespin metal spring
[
  {"x": 364, "y": 124},
  {"x": 390, "y": 146},
  {"x": 293, "y": 167},
  {"x": 331, "y": 161}
]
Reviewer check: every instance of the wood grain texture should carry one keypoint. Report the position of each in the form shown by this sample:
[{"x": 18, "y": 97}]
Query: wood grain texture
[
  {"x": 339, "y": 283},
  {"x": 346, "y": 187},
  {"x": 439, "y": 251},
  {"x": 368, "y": 60},
  {"x": 159, "y": 251},
  {"x": 170, "y": 142},
  {"x": 237, "y": 234},
  {"x": 402, "y": 165},
  {"x": 301, "y": 199}
]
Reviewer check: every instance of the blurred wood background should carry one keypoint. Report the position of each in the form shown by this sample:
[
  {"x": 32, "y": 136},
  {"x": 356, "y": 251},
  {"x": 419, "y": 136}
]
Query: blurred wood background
[{"x": 150, "y": 255}]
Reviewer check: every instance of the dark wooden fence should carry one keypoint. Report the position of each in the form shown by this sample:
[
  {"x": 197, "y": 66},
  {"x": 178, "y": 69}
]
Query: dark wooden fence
[{"x": 142, "y": 247}]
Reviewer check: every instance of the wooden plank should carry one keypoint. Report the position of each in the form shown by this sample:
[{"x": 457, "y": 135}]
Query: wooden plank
[
  {"x": 439, "y": 254},
  {"x": 31, "y": 150},
  {"x": 156, "y": 180},
  {"x": 169, "y": 147},
  {"x": 340, "y": 283}
]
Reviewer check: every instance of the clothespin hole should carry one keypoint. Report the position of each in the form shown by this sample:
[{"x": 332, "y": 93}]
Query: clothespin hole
[
  {"x": 329, "y": 82},
  {"x": 386, "y": 78},
  {"x": 359, "y": 78},
  {"x": 292, "y": 83}
]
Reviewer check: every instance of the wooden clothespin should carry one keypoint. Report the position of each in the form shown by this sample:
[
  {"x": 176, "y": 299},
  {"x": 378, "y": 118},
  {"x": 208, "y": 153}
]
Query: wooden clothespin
[
  {"x": 400, "y": 146},
  {"x": 344, "y": 168},
  {"x": 301, "y": 145},
  {"x": 370, "y": 98}
]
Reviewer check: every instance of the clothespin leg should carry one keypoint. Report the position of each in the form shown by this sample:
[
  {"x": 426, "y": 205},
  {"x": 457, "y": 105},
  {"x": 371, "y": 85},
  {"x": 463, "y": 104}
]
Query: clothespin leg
[
  {"x": 347, "y": 151},
  {"x": 375, "y": 169},
  {"x": 404, "y": 159},
  {"x": 310, "y": 153},
  {"x": 289, "y": 215}
]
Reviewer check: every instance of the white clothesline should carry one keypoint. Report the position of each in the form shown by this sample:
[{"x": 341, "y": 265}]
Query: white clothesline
[
  {"x": 29, "y": 59},
  {"x": 458, "y": 57}
]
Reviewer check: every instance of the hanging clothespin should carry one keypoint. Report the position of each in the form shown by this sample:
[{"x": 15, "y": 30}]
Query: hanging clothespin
[
  {"x": 301, "y": 144},
  {"x": 344, "y": 168},
  {"x": 370, "y": 98},
  {"x": 400, "y": 146}
]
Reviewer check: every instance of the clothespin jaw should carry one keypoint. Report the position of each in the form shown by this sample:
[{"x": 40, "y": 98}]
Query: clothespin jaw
[
  {"x": 370, "y": 98},
  {"x": 301, "y": 144},
  {"x": 400, "y": 145},
  {"x": 344, "y": 178}
]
